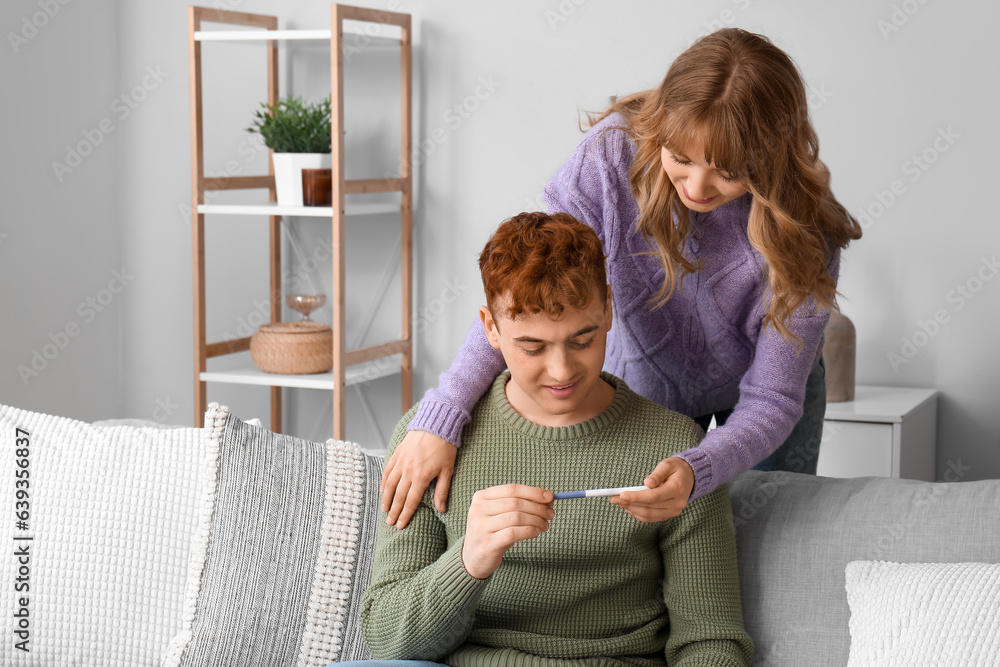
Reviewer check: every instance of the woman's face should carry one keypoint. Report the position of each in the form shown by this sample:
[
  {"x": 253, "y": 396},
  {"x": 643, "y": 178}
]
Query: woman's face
[{"x": 702, "y": 187}]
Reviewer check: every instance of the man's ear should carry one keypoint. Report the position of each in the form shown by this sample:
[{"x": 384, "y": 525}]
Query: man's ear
[{"x": 489, "y": 326}]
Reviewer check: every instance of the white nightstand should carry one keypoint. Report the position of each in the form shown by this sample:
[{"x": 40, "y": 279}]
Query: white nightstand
[{"x": 883, "y": 432}]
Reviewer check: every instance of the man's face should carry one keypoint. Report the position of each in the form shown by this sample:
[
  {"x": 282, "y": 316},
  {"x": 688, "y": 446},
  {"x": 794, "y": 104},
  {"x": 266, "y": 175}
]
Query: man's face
[{"x": 555, "y": 365}]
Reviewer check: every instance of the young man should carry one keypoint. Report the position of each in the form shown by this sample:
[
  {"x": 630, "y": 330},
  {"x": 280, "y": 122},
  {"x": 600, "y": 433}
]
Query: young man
[{"x": 510, "y": 576}]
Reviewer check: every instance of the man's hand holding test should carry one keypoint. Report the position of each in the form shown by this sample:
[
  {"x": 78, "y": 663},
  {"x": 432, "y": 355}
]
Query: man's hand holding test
[{"x": 498, "y": 518}]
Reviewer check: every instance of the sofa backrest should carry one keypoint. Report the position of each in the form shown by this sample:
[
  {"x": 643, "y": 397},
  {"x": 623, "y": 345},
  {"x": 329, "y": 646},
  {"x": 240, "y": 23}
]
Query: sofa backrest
[{"x": 796, "y": 533}]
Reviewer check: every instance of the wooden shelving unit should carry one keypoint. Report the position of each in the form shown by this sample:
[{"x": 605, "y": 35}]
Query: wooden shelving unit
[{"x": 349, "y": 366}]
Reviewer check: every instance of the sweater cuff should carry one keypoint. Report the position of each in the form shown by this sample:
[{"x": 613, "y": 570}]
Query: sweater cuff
[
  {"x": 454, "y": 580},
  {"x": 443, "y": 420},
  {"x": 701, "y": 465}
]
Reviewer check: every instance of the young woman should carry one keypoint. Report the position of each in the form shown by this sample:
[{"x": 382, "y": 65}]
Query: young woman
[{"x": 723, "y": 244}]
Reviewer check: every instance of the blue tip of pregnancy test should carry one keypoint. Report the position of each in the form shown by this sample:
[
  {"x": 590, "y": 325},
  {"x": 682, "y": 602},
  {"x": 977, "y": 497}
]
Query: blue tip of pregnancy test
[{"x": 566, "y": 495}]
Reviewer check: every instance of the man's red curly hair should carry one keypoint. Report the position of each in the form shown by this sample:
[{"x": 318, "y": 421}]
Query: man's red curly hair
[{"x": 540, "y": 262}]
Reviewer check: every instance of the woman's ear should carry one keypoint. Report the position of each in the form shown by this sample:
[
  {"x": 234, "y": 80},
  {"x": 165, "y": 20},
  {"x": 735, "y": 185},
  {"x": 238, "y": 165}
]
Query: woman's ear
[{"x": 489, "y": 326}]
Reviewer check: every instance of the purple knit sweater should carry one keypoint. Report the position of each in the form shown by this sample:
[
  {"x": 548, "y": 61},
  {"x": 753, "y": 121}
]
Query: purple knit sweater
[{"x": 702, "y": 352}]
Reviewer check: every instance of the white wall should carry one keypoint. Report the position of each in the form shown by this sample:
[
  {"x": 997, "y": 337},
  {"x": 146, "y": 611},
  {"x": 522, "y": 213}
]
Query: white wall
[
  {"x": 59, "y": 231},
  {"x": 498, "y": 88}
]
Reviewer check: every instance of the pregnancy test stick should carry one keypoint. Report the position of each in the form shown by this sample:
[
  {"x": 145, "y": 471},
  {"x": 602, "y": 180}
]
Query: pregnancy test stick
[{"x": 596, "y": 493}]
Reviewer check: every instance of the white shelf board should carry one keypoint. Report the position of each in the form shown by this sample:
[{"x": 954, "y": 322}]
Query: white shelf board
[
  {"x": 251, "y": 35},
  {"x": 880, "y": 404},
  {"x": 357, "y": 34},
  {"x": 355, "y": 375},
  {"x": 360, "y": 208}
]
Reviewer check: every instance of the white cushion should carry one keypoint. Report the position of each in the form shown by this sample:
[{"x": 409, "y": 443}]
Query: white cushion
[
  {"x": 112, "y": 513},
  {"x": 912, "y": 614}
]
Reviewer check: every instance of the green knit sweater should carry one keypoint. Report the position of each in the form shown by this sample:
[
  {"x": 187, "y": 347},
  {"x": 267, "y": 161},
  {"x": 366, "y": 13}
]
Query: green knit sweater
[{"x": 598, "y": 588}]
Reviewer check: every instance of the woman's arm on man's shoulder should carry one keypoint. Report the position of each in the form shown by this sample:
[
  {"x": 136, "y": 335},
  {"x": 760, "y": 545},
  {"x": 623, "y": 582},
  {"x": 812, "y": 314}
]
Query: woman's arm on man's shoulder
[{"x": 428, "y": 450}]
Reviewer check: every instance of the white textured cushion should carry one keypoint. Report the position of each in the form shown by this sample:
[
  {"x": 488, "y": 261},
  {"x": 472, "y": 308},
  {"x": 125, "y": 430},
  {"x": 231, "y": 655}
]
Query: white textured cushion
[
  {"x": 112, "y": 512},
  {"x": 941, "y": 614}
]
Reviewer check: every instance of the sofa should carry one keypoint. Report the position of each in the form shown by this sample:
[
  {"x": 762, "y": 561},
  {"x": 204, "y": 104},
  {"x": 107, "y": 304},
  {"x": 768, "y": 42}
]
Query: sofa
[{"x": 135, "y": 544}]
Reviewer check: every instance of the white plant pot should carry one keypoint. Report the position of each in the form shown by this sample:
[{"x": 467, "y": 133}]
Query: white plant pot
[{"x": 288, "y": 174}]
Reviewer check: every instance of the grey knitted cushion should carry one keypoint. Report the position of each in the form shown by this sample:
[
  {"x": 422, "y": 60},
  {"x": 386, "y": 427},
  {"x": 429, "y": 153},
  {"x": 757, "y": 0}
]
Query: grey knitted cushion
[{"x": 278, "y": 568}]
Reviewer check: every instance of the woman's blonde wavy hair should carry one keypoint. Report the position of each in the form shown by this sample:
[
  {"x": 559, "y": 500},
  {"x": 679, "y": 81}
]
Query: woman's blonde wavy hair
[{"x": 746, "y": 98}]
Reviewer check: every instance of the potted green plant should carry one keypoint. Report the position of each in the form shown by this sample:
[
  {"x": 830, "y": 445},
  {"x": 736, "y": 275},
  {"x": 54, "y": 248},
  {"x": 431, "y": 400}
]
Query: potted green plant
[{"x": 299, "y": 136}]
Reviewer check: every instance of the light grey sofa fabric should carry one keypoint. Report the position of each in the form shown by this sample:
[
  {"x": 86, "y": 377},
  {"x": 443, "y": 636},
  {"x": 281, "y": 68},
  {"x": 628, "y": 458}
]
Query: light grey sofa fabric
[{"x": 796, "y": 533}]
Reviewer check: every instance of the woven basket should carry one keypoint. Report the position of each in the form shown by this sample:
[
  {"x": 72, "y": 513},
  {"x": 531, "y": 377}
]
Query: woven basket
[{"x": 293, "y": 347}]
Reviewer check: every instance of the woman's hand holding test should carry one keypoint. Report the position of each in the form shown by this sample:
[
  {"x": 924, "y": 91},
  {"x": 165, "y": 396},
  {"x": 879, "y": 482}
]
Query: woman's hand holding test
[
  {"x": 420, "y": 458},
  {"x": 670, "y": 485}
]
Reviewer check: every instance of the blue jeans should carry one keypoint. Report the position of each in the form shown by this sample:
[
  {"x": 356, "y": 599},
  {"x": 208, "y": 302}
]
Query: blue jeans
[
  {"x": 388, "y": 663},
  {"x": 800, "y": 451}
]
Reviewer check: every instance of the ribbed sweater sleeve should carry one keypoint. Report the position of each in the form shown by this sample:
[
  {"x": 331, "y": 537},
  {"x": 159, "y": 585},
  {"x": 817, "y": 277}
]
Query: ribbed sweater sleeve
[
  {"x": 421, "y": 602},
  {"x": 703, "y": 601},
  {"x": 445, "y": 410},
  {"x": 771, "y": 396}
]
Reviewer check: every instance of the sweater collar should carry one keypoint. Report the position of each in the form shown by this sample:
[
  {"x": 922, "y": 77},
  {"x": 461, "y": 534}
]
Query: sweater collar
[
  {"x": 735, "y": 212},
  {"x": 587, "y": 429}
]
